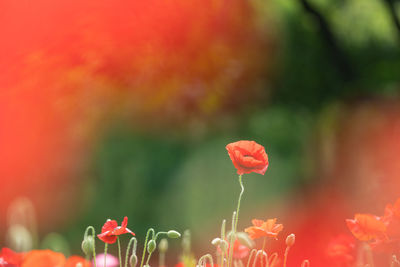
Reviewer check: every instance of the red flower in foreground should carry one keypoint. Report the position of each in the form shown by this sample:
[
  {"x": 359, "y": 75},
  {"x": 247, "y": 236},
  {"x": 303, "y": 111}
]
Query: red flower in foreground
[
  {"x": 341, "y": 249},
  {"x": 10, "y": 258},
  {"x": 390, "y": 242},
  {"x": 74, "y": 260},
  {"x": 239, "y": 251},
  {"x": 260, "y": 228},
  {"x": 43, "y": 258},
  {"x": 366, "y": 227},
  {"x": 392, "y": 219},
  {"x": 110, "y": 230},
  {"x": 248, "y": 156}
]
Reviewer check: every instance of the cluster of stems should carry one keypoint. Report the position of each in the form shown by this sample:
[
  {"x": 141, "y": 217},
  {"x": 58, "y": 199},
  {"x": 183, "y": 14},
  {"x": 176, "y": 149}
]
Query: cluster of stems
[{"x": 150, "y": 244}]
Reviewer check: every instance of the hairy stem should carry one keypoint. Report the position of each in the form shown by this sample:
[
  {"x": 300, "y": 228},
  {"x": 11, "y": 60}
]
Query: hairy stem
[{"x": 151, "y": 230}]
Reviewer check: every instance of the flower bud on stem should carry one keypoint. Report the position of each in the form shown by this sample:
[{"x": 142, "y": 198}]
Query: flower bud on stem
[
  {"x": 105, "y": 254},
  {"x": 150, "y": 231},
  {"x": 88, "y": 243},
  {"x": 305, "y": 263},
  {"x": 290, "y": 239},
  {"x": 173, "y": 234},
  {"x": 203, "y": 261},
  {"x": 119, "y": 252},
  {"x": 133, "y": 259}
]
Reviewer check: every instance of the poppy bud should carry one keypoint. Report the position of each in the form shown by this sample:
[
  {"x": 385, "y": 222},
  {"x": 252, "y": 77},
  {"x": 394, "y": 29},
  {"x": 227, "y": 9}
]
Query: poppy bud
[
  {"x": 163, "y": 246},
  {"x": 151, "y": 246},
  {"x": 87, "y": 245},
  {"x": 290, "y": 240},
  {"x": 231, "y": 235},
  {"x": 216, "y": 241},
  {"x": 244, "y": 239},
  {"x": 133, "y": 260},
  {"x": 173, "y": 234},
  {"x": 224, "y": 245}
]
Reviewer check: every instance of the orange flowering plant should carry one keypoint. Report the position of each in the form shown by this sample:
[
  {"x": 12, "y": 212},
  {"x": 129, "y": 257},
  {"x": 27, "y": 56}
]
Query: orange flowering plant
[
  {"x": 379, "y": 238},
  {"x": 269, "y": 228}
]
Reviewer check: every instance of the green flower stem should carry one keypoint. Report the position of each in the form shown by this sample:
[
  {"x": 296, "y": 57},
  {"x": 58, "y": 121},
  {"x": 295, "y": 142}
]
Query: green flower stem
[
  {"x": 231, "y": 240},
  {"x": 222, "y": 238},
  {"x": 260, "y": 255},
  {"x": 240, "y": 198},
  {"x": 286, "y": 255},
  {"x": 234, "y": 226},
  {"x": 155, "y": 239},
  {"x": 252, "y": 253},
  {"x": 105, "y": 254},
  {"x": 91, "y": 228},
  {"x": 159, "y": 233},
  {"x": 148, "y": 258},
  {"x": 151, "y": 230},
  {"x": 134, "y": 241},
  {"x": 263, "y": 248},
  {"x": 119, "y": 252},
  {"x": 202, "y": 261}
]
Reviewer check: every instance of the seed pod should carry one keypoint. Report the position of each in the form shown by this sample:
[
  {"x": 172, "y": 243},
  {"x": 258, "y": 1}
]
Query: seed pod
[
  {"x": 216, "y": 241},
  {"x": 151, "y": 246},
  {"x": 87, "y": 245},
  {"x": 290, "y": 240},
  {"x": 224, "y": 245},
  {"x": 133, "y": 260},
  {"x": 173, "y": 234}
]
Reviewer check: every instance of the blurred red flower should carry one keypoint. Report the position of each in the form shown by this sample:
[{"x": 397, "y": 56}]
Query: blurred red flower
[
  {"x": 110, "y": 230},
  {"x": 390, "y": 242},
  {"x": 72, "y": 261},
  {"x": 341, "y": 249},
  {"x": 10, "y": 258},
  {"x": 392, "y": 219},
  {"x": 43, "y": 258},
  {"x": 366, "y": 227},
  {"x": 239, "y": 251},
  {"x": 260, "y": 228},
  {"x": 248, "y": 156}
]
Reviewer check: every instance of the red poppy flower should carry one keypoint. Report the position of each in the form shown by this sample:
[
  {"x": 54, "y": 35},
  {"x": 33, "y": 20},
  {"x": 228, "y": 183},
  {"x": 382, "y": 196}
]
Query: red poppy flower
[
  {"x": 392, "y": 220},
  {"x": 260, "y": 228},
  {"x": 110, "y": 230},
  {"x": 248, "y": 156},
  {"x": 341, "y": 249},
  {"x": 43, "y": 258},
  {"x": 366, "y": 227},
  {"x": 72, "y": 261},
  {"x": 239, "y": 251},
  {"x": 9, "y": 257}
]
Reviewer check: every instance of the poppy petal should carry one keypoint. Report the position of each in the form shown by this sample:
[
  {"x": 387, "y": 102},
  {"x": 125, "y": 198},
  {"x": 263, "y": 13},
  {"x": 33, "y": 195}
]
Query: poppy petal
[
  {"x": 109, "y": 226},
  {"x": 257, "y": 222},
  {"x": 107, "y": 237},
  {"x": 124, "y": 223}
]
